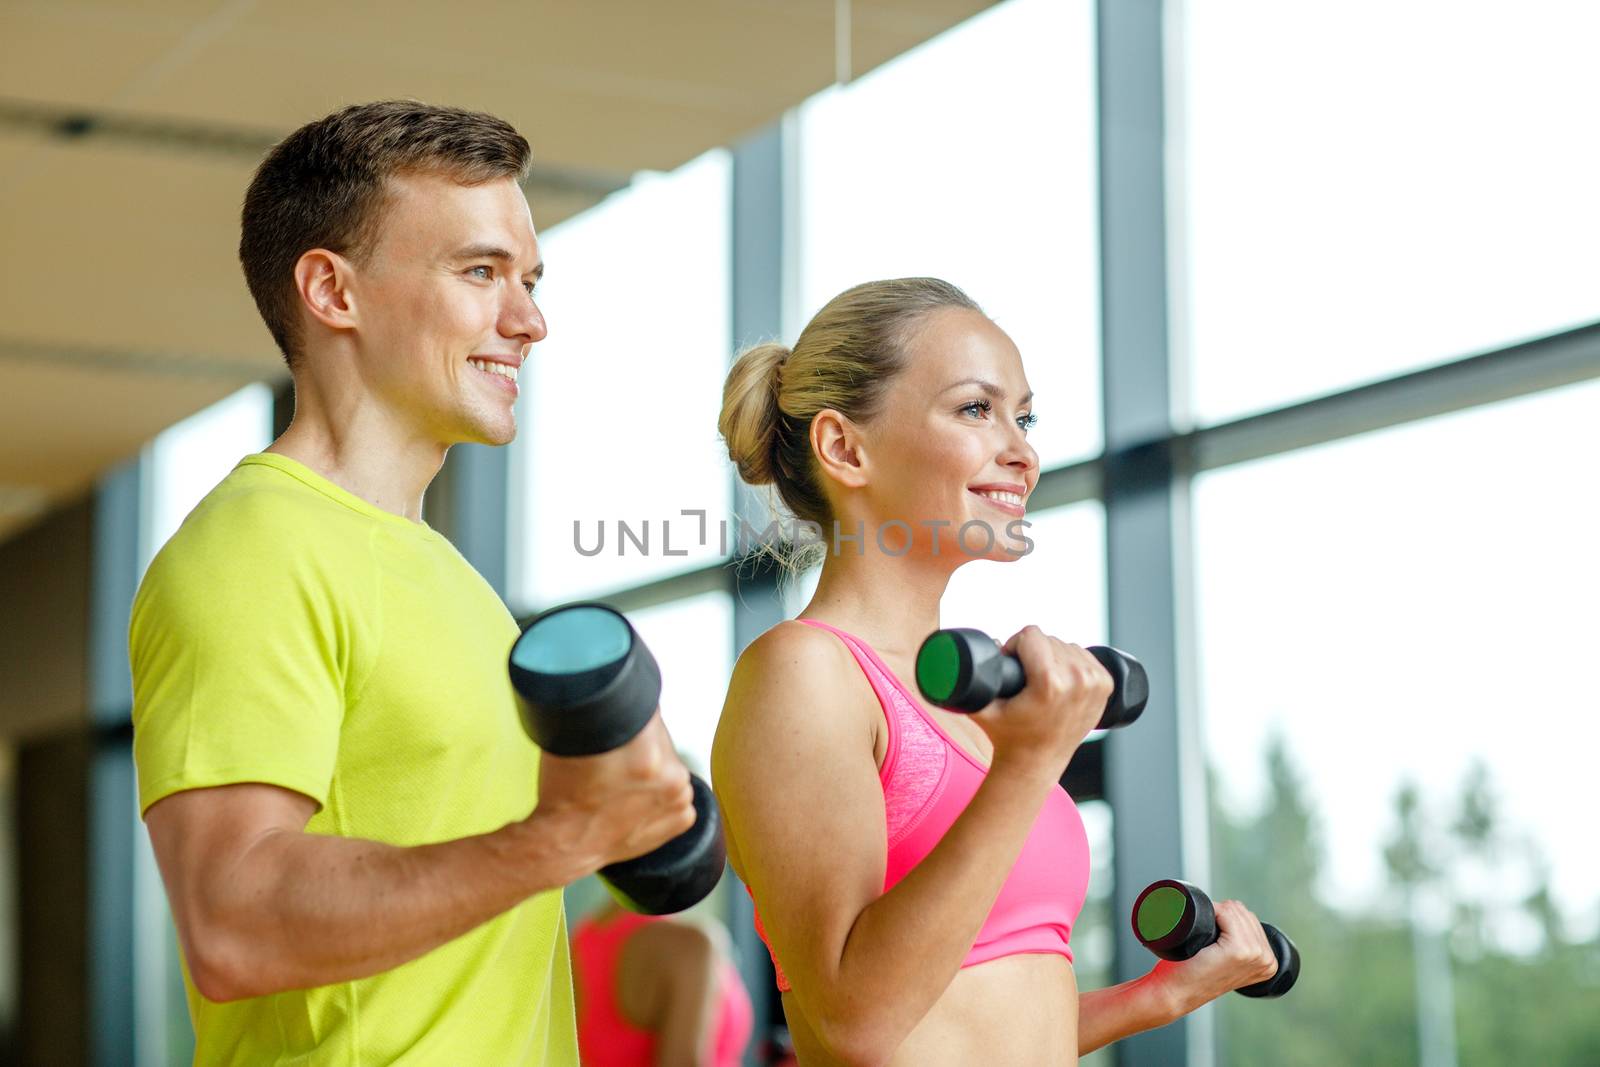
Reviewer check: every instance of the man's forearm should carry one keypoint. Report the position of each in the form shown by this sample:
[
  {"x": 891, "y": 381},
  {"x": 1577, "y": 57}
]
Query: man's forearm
[{"x": 299, "y": 910}]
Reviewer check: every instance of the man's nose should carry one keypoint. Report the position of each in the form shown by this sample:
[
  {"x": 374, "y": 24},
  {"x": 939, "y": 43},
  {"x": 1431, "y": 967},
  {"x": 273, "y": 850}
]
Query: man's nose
[{"x": 521, "y": 319}]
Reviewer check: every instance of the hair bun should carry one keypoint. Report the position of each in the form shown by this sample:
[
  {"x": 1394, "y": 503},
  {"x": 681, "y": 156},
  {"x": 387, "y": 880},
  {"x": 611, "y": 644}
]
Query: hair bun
[{"x": 750, "y": 413}]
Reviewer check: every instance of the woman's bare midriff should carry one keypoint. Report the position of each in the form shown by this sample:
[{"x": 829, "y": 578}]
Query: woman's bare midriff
[{"x": 1016, "y": 1011}]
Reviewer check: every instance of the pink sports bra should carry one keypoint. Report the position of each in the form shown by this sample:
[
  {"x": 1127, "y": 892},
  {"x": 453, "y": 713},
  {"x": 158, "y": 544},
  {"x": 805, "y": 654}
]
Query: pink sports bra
[{"x": 928, "y": 780}]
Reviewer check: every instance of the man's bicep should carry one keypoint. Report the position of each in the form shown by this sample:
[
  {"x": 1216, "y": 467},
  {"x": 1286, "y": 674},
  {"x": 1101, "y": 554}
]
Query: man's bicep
[{"x": 198, "y": 835}]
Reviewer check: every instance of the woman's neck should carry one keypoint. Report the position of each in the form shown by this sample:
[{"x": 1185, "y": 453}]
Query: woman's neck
[{"x": 891, "y": 602}]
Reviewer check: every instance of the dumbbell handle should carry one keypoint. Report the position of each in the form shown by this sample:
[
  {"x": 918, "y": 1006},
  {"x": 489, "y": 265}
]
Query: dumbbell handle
[
  {"x": 966, "y": 671},
  {"x": 1117, "y": 712}
]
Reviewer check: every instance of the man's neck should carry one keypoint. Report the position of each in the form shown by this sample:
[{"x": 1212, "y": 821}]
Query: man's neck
[{"x": 365, "y": 453}]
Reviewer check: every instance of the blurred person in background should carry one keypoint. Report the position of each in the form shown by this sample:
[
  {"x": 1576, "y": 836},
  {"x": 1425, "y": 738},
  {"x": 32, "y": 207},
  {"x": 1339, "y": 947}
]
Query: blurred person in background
[{"x": 656, "y": 992}]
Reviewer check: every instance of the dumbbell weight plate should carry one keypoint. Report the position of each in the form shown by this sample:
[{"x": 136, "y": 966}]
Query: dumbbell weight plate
[{"x": 586, "y": 684}]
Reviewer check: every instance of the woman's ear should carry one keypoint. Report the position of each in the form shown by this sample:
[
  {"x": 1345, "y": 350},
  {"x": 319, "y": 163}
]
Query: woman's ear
[
  {"x": 322, "y": 278},
  {"x": 840, "y": 448}
]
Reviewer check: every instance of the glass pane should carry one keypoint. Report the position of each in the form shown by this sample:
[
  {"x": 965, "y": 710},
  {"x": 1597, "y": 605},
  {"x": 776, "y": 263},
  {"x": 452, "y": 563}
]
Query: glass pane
[
  {"x": 972, "y": 158},
  {"x": 619, "y": 406},
  {"x": 1059, "y": 586},
  {"x": 190, "y": 458},
  {"x": 1388, "y": 628},
  {"x": 1373, "y": 187},
  {"x": 1000, "y": 598},
  {"x": 692, "y": 642}
]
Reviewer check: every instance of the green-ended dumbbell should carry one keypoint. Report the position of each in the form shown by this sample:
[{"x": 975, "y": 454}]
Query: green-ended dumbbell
[
  {"x": 964, "y": 670},
  {"x": 587, "y": 684},
  {"x": 1175, "y": 920}
]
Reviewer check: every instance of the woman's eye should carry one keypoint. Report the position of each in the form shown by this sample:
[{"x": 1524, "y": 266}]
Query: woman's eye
[
  {"x": 1027, "y": 422},
  {"x": 978, "y": 405}
]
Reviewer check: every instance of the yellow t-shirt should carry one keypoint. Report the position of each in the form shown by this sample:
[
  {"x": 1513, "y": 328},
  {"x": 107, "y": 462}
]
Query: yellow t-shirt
[{"x": 294, "y": 634}]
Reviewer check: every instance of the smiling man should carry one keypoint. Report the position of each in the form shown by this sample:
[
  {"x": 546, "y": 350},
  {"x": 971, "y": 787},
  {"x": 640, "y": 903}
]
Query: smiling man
[{"x": 362, "y": 850}]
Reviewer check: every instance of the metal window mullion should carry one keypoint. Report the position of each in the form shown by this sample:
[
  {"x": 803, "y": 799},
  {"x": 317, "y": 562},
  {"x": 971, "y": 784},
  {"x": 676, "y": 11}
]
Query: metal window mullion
[
  {"x": 762, "y": 251},
  {"x": 117, "y": 551},
  {"x": 1151, "y": 769},
  {"x": 1519, "y": 370}
]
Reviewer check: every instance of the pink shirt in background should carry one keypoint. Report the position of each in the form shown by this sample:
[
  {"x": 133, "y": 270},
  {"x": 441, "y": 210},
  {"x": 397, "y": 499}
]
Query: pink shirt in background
[{"x": 605, "y": 1037}]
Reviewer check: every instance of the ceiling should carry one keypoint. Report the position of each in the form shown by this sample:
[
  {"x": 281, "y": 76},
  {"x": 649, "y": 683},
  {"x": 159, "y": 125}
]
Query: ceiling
[{"x": 128, "y": 132}]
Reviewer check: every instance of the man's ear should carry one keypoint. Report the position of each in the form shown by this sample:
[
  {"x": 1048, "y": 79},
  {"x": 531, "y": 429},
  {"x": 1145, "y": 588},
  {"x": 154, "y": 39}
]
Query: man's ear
[
  {"x": 322, "y": 278},
  {"x": 840, "y": 448}
]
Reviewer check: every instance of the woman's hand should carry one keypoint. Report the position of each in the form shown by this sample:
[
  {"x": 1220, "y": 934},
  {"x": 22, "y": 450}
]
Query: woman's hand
[
  {"x": 1240, "y": 956},
  {"x": 1041, "y": 727}
]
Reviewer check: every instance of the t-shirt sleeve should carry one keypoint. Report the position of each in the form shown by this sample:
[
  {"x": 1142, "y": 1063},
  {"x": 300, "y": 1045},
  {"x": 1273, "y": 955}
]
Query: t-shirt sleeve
[{"x": 240, "y": 671}]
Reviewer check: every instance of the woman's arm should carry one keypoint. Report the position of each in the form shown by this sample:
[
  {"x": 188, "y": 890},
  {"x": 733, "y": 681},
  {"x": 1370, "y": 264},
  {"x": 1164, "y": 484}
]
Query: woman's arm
[
  {"x": 1113, "y": 1013},
  {"x": 1240, "y": 956},
  {"x": 794, "y": 770}
]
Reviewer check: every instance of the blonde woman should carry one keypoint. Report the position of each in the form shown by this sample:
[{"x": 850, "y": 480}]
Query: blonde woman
[{"x": 916, "y": 872}]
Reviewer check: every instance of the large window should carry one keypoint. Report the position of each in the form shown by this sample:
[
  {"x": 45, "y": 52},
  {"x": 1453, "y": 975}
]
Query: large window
[
  {"x": 972, "y": 158},
  {"x": 619, "y": 405},
  {"x": 1399, "y": 742},
  {"x": 1385, "y": 625},
  {"x": 1375, "y": 186}
]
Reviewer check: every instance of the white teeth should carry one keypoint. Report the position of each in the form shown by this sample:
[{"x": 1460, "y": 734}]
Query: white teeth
[
  {"x": 1004, "y": 498},
  {"x": 491, "y": 367}
]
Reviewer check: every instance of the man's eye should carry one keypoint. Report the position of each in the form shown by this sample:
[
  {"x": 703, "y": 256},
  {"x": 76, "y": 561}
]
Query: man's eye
[{"x": 487, "y": 272}]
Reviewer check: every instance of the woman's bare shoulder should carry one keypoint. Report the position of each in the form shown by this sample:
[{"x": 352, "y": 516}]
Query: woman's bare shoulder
[
  {"x": 799, "y": 680},
  {"x": 793, "y": 659}
]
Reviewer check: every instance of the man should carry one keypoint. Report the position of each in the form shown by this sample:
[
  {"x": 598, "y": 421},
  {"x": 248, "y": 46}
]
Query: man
[{"x": 331, "y": 766}]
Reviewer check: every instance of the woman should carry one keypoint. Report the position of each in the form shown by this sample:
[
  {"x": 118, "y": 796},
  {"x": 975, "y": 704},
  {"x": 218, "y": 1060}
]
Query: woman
[
  {"x": 916, "y": 872},
  {"x": 655, "y": 992}
]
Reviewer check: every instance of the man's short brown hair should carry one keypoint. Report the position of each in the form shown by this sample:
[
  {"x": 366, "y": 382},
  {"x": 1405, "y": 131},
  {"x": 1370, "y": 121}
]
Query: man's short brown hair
[{"x": 323, "y": 187}]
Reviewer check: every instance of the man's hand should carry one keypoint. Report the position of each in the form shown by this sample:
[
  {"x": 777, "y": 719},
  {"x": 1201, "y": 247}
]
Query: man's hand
[{"x": 616, "y": 805}]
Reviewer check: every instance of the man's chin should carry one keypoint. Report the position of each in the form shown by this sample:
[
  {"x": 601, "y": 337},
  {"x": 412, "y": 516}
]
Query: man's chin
[
  {"x": 495, "y": 434},
  {"x": 502, "y": 437}
]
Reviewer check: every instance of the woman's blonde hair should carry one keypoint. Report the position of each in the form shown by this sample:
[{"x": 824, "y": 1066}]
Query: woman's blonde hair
[{"x": 844, "y": 359}]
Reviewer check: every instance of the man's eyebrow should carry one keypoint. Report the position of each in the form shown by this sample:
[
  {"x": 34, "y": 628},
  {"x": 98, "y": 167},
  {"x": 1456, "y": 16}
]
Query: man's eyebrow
[
  {"x": 988, "y": 387},
  {"x": 495, "y": 252}
]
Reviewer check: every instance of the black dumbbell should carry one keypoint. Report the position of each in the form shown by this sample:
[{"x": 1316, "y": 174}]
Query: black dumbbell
[
  {"x": 964, "y": 670},
  {"x": 587, "y": 684},
  {"x": 1175, "y": 920}
]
